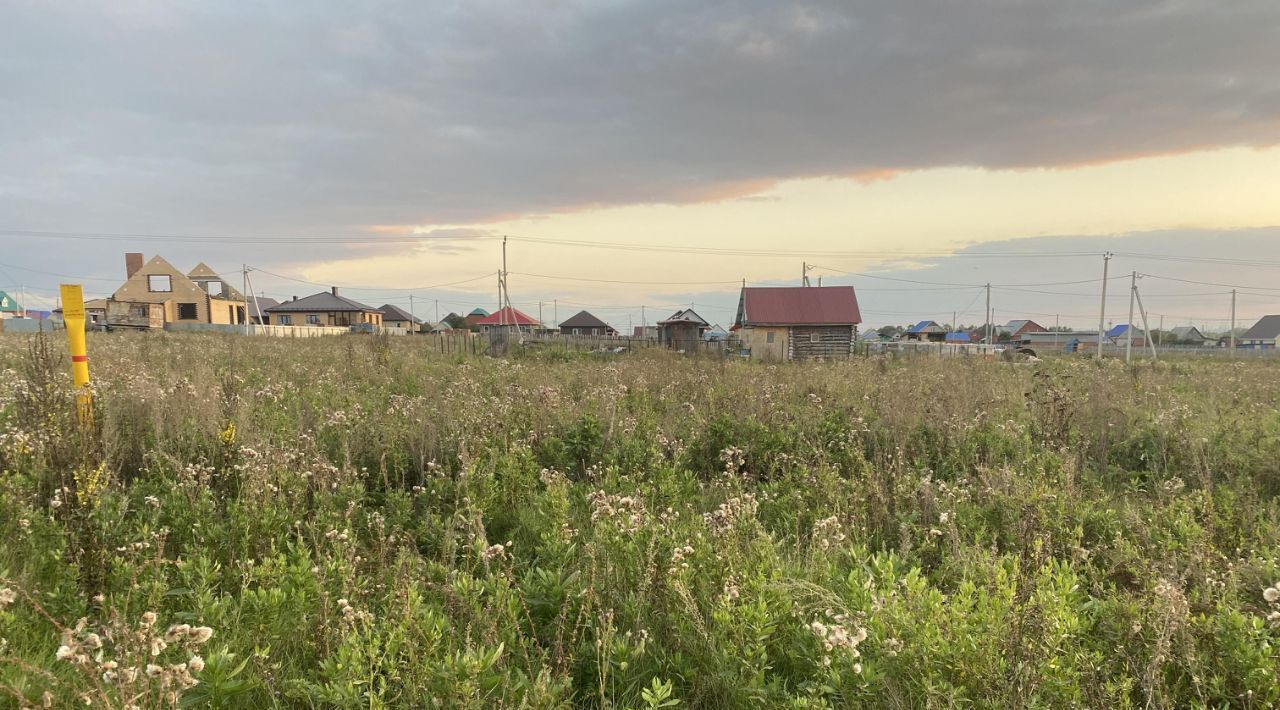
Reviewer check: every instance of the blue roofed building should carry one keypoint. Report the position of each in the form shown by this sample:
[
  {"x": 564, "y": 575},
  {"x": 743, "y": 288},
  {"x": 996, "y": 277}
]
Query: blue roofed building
[{"x": 926, "y": 331}]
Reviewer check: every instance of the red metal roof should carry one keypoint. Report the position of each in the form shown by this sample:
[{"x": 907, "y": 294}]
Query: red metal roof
[
  {"x": 507, "y": 316},
  {"x": 799, "y": 305}
]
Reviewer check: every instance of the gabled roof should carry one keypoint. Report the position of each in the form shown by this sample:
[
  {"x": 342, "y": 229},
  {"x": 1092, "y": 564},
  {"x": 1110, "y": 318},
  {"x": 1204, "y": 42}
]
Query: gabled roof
[
  {"x": 390, "y": 312},
  {"x": 8, "y": 304},
  {"x": 582, "y": 319},
  {"x": 478, "y": 312},
  {"x": 685, "y": 316},
  {"x": 1265, "y": 329},
  {"x": 203, "y": 272},
  {"x": 1117, "y": 331},
  {"x": 1187, "y": 332},
  {"x": 715, "y": 333},
  {"x": 923, "y": 325},
  {"x": 507, "y": 316},
  {"x": 323, "y": 302},
  {"x": 798, "y": 305}
]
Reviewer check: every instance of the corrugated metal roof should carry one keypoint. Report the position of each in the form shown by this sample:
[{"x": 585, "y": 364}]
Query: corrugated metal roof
[
  {"x": 1265, "y": 329},
  {"x": 1118, "y": 331},
  {"x": 507, "y": 316},
  {"x": 957, "y": 337},
  {"x": 325, "y": 301},
  {"x": 924, "y": 325},
  {"x": 799, "y": 305}
]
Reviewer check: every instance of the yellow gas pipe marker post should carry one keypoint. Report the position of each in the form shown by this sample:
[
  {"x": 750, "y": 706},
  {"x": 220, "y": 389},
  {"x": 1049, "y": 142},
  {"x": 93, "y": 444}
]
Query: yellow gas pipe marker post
[{"x": 74, "y": 318}]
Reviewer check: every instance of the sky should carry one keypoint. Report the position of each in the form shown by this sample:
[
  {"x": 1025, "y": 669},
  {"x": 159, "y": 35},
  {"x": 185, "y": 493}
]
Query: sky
[{"x": 654, "y": 153}]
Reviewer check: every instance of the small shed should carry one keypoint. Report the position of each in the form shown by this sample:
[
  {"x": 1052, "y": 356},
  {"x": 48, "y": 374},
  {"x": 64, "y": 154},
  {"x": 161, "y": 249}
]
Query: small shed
[
  {"x": 682, "y": 330},
  {"x": 798, "y": 322}
]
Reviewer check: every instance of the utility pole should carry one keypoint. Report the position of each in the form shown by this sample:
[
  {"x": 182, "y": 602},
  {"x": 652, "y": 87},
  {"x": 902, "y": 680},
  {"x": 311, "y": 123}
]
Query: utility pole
[
  {"x": 1160, "y": 332},
  {"x": 506, "y": 294},
  {"x": 555, "y": 309},
  {"x": 1055, "y": 331},
  {"x": 1146, "y": 329},
  {"x": 1128, "y": 328},
  {"x": 437, "y": 312},
  {"x": 22, "y": 290},
  {"x": 413, "y": 316},
  {"x": 1233, "y": 323},
  {"x": 953, "y": 321},
  {"x": 244, "y": 293},
  {"x": 539, "y": 311},
  {"x": 804, "y": 274},
  {"x": 988, "y": 314},
  {"x": 1102, "y": 313}
]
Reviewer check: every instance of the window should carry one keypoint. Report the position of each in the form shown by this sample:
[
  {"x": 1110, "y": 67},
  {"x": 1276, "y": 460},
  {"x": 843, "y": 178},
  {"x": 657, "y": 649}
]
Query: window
[
  {"x": 159, "y": 283},
  {"x": 284, "y": 320},
  {"x": 768, "y": 338},
  {"x": 239, "y": 314},
  {"x": 215, "y": 289},
  {"x": 187, "y": 311},
  {"x": 313, "y": 319},
  {"x": 813, "y": 337}
]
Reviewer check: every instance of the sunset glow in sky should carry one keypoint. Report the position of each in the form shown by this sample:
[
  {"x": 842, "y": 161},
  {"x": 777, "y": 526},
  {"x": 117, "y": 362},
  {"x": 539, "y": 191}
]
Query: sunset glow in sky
[{"x": 907, "y": 137}]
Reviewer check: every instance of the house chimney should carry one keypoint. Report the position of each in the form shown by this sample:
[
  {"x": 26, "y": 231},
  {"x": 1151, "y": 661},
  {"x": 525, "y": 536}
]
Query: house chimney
[
  {"x": 295, "y": 298},
  {"x": 334, "y": 289},
  {"x": 132, "y": 262}
]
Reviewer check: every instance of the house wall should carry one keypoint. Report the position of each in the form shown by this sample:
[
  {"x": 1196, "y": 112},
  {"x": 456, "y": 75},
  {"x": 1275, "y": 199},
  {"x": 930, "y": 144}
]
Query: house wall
[
  {"x": 756, "y": 339},
  {"x": 825, "y": 341},
  {"x": 183, "y": 290},
  {"x": 327, "y": 318}
]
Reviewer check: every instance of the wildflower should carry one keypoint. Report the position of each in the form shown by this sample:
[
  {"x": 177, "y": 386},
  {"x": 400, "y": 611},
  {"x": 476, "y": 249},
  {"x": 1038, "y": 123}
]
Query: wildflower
[
  {"x": 1271, "y": 594},
  {"x": 157, "y": 646},
  {"x": 93, "y": 641},
  {"x": 177, "y": 632},
  {"x": 63, "y": 653},
  {"x": 493, "y": 552},
  {"x": 148, "y": 618},
  {"x": 201, "y": 634},
  {"x": 108, "y": 677},
  {"x": 153, "y": 670},
  {"x": 196, "y": 664},
  {"x": 152, "y": 501},
  {"x": 7, "y": 597}
]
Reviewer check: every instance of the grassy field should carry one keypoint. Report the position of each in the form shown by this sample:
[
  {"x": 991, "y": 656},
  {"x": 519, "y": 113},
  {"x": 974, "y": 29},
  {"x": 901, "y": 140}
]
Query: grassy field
[{"x": 356, "y": 522}]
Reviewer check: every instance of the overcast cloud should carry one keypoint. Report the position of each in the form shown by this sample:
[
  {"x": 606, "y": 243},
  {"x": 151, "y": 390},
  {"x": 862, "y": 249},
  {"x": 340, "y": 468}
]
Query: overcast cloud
[{"x": 260, "y": 118}]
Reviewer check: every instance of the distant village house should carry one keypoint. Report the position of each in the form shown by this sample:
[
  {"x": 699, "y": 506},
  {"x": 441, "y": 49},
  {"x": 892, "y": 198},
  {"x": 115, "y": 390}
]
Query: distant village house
[
  {"x": 583, "y": 323},
  {"x": 682, "y": 330},
  {"x": 327, "y": 308},
  {"x": 798, "y": 322}
]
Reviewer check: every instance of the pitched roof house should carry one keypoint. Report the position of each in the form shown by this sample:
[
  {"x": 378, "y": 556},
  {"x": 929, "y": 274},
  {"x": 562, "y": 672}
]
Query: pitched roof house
[
  {"x": 8, "y": 305},
  {"x": 682, "y": 330},
  {"x": 506, "y": 318},
  {"x": 397, "y": 317},
  {"x": 327, "y": 308},
  {"x": 1016, "y": 328},
  {"x": 798, "y": 322},
  {"x": 925, "y": 330},
  {"x": 182, "y": 298},
  {"x": 1189, "y": 334},
  {"x": 583, "y": 323},
  {"x": 1263, "y": 334},
  {"x": 258, "y": 306}
]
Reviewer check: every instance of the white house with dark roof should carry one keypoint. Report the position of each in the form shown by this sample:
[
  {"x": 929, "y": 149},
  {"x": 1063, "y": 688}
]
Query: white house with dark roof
[{"x": 1263, "y": 334}]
